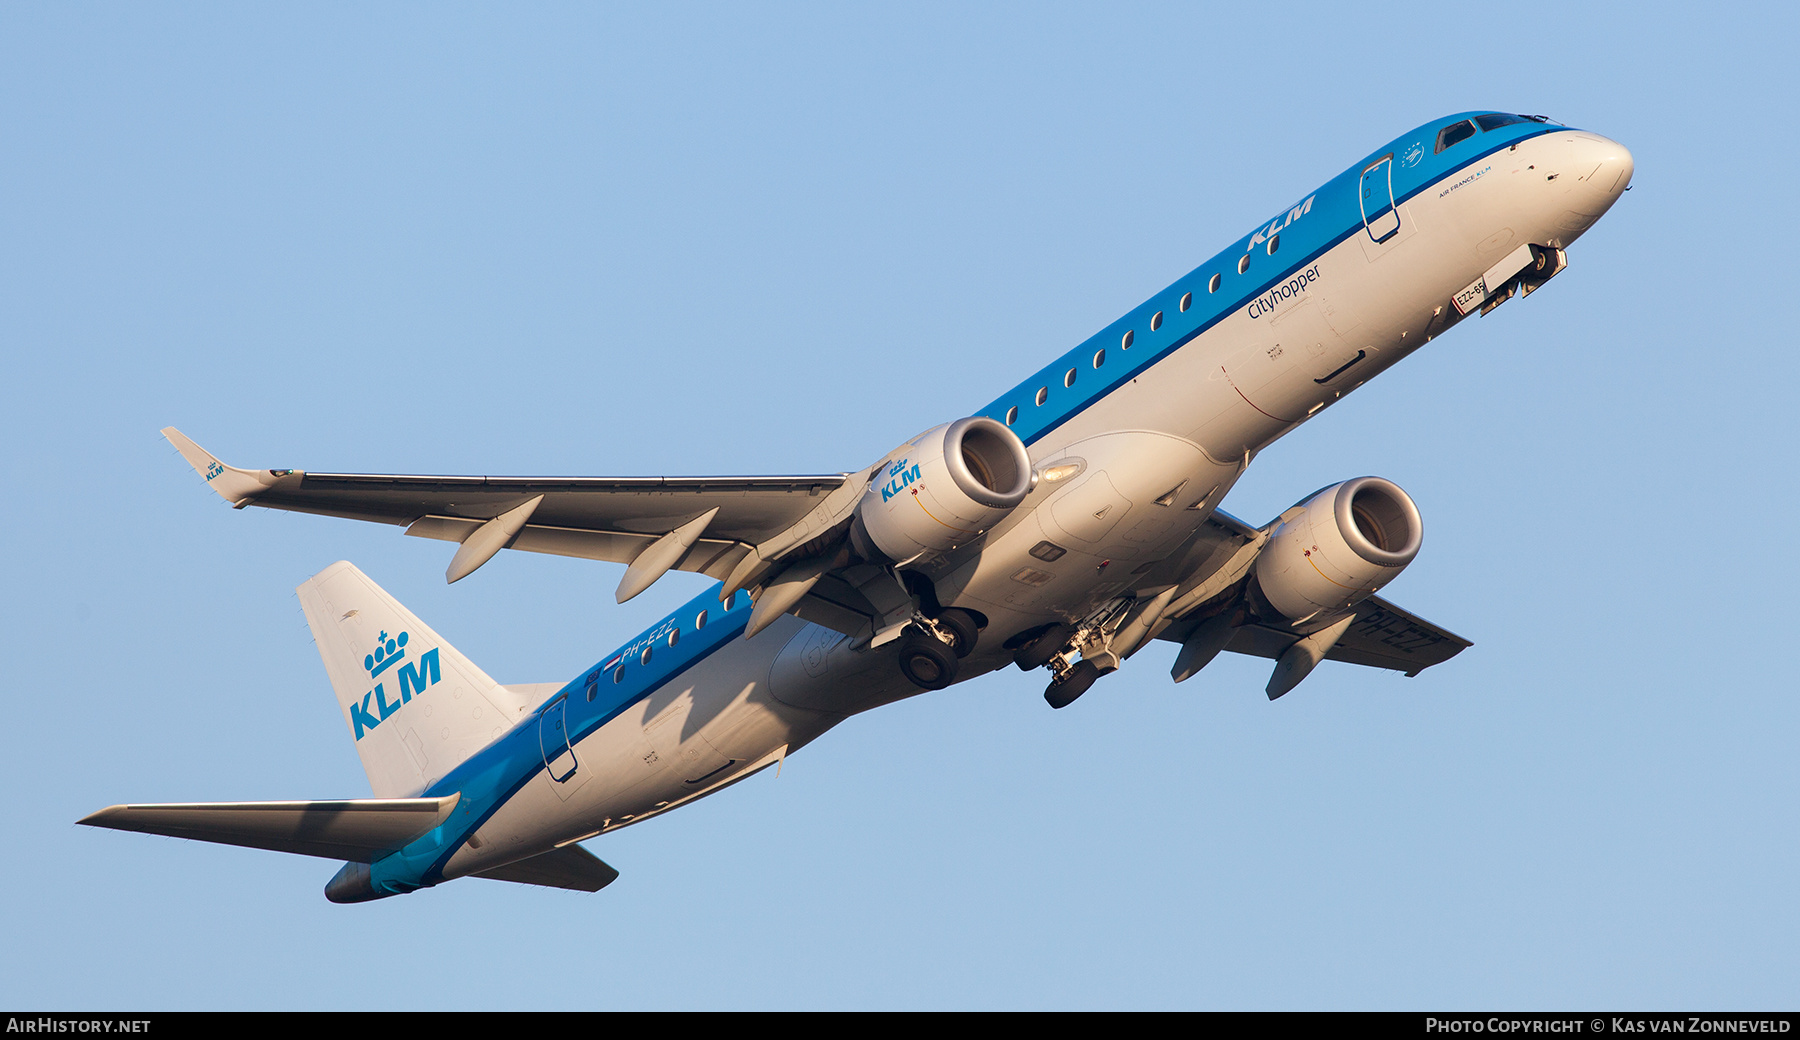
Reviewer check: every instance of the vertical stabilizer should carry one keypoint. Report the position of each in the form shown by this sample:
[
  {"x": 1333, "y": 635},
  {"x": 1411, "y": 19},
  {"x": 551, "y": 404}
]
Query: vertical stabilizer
[{"x": 413, "y": 704}]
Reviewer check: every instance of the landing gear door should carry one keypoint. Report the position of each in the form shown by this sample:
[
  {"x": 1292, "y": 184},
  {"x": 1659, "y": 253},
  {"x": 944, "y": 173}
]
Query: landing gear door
[
  {"x": 553, "y": 738},
  {"x": 1380, "y": 217}
]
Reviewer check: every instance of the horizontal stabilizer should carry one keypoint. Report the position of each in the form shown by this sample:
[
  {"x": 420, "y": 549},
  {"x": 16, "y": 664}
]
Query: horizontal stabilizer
[
  {"x": 571, "y": 867},
  {"x": 361, "y": 830}
]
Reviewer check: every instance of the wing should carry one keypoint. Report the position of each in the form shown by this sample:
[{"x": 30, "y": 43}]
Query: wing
[
  {"x": 1382, "y": 636},
  {"x": 709, "y": 525},
  {"x": 1209, "y": 574}
]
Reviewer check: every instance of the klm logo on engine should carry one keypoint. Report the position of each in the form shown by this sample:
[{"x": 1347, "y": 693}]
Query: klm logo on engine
[
  {"x": 900, "y": 474},
  {"x": 414, "y": 678}
]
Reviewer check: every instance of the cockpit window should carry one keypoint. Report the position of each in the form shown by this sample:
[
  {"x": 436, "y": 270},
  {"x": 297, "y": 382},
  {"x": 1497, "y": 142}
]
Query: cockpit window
[
  {"x": 1496, "y": 120},
  {"x": 1455, "y": 132}
]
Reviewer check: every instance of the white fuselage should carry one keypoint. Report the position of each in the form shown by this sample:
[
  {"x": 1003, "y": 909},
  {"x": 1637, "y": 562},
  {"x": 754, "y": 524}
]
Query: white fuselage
[{"x": 1151, "y": 460}]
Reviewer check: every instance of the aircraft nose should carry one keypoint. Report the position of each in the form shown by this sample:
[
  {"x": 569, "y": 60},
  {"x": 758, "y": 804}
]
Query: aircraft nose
[{"x": 1602, "y": 166}]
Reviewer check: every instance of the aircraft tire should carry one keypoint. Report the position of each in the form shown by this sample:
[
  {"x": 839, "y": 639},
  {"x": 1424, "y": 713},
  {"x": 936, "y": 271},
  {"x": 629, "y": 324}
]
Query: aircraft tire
[
  {"x": 963, "y": 630},
  {"x": 1062, "y": 694},
  {"x": 926, "y": 662},
  {"x": 1038, "y": 652}
]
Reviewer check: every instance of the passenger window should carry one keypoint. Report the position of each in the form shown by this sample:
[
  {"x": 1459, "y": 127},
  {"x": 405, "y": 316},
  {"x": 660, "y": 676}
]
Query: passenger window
[
  {"x": 1274, "y": 244},
  {"x": 700, "y": 621},
  {"x": 1069, "y": 379},
  {"x": 645, "y": 659},
  {"x": 592, "y": 688},
  {"x": 619, "y": 674},
  {"x": 1127, "y": 340},
  {"x": 674, "y": 636},
  {"x": 1454, "y": 133},
  {"x": 1244, "y": 264},
  {"x": 1012, "y": 415},
  {"x": 1156, "y": 321},
  {"x": 1213, "y": 286},
  {"x": 1496, "y": 120},
  {"x": 1187, "y": 300},
  {"x": 1099, "y": 357},
  {"x": 1043, "y": 395}
]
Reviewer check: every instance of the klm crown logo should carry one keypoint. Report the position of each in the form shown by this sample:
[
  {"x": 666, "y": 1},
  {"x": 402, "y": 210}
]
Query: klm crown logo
[
  {"x": 387, "y": 653},
  {"x": 414, "y": 679}
]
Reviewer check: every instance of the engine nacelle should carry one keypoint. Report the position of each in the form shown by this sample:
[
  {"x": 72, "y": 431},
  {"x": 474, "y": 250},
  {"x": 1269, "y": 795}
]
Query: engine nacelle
[
  {"x": 944, "y": 488},
  {"x": 1347, "y": 542}
]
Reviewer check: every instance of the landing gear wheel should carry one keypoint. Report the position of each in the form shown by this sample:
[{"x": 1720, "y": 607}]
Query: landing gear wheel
[
  {"x": 961, "y": 627},
  {"x": 1038, "y": 652},
  {"x": 1062, "y": 694},
  {"x": 928, "y": 663}
]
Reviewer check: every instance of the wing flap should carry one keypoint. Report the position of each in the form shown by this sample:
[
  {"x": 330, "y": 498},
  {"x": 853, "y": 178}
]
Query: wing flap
[
  {"x": 360, "y": 830},
  {"x": 750, "y": 508},
  {"x": 571, "y": 867}
]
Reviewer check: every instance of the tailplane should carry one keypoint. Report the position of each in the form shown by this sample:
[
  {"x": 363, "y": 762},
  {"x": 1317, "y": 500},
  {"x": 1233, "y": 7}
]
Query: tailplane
[
  {"x": 415, "y": 706},
  {"x": 363, "y": 830}
]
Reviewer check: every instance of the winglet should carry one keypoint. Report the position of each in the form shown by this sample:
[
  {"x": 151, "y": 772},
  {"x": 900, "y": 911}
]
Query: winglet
[{"x": 237, "y": 486}]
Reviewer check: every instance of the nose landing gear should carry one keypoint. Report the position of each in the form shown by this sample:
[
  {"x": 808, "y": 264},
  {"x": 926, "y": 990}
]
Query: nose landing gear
[{"x": 1546, "y": 263}]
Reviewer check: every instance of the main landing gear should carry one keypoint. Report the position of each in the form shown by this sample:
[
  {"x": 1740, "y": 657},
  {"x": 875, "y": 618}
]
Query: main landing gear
[
  {"x": 1063, "y": 690},
  {"x": 1101, "y": 641},
  {"x": 1038, "y": 652},
  {"x": 930, "y": 652},
  {"x": 1072, "y": 680}
]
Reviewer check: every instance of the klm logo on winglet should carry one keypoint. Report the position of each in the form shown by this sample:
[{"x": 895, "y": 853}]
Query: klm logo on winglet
[
  {"x": 213, "y": 469},
  {"x": 899, "y": 476},
  {"x": 414, "y": 678}
]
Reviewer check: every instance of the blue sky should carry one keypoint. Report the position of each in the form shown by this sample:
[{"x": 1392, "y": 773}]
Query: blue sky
[{"x": 726, "y": 239}]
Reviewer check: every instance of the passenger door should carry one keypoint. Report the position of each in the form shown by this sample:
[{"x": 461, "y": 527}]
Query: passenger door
[
  {"x": 553, "y": 740},
  {"x": 1380, "y": 218}
]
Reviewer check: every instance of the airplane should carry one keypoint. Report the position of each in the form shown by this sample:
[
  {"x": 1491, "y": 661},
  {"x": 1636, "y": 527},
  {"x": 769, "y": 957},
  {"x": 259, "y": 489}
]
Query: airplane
[{"x": 1064, "y": 526}]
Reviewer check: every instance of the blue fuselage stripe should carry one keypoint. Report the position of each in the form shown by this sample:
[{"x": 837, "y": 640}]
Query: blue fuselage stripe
[
  {"x": 1337, "y": 210},
  {"x": 490, "y": 778}
]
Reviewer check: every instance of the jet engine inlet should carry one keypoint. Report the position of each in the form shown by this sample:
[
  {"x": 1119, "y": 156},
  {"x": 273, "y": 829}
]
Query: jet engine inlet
[
  {"x": 988, "y": 462},
  {"x": 1344, "y": 544},
  {"x": 1379, "y": 521}
]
